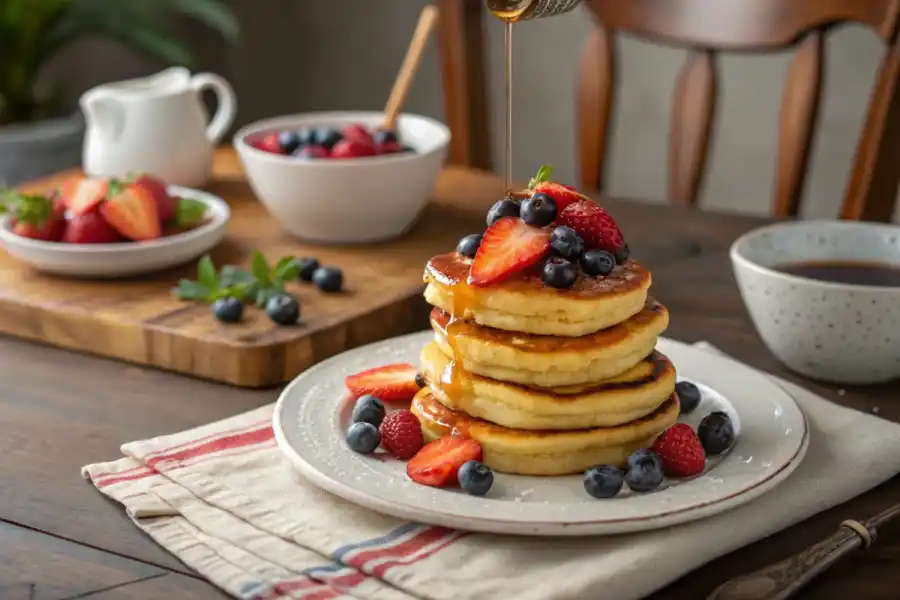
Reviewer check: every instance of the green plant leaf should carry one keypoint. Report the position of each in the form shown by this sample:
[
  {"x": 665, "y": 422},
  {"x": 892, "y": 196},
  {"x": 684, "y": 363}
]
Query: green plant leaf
[
  {"x": 260, "y": 268},
  {"x": 262, "y": 296},
  {"x": 287, "y": 269},
  {"x": 192, "y": 290},
  {"x": 232, "y": 276},
  {"x": 206, "y": 273},
  {"x": 212, "y": 13}
]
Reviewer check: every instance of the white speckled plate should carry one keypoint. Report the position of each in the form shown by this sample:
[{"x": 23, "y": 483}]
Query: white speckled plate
[{"x": 312, "y": 414}]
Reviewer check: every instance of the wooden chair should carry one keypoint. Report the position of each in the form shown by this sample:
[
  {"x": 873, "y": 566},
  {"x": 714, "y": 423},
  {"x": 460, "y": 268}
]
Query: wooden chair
[{"x": 707, "y": 27}]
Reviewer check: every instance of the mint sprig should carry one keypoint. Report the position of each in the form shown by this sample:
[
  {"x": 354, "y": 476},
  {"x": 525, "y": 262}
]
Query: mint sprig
[
  {"x": 210, "y": 285},
  {"x": 258, "y": 284},
  {"x": 542, "y": 175}
]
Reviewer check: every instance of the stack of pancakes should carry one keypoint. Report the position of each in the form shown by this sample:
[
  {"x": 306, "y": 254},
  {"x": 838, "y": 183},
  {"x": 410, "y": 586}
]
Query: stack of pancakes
[{"x": 549, "y": 381}]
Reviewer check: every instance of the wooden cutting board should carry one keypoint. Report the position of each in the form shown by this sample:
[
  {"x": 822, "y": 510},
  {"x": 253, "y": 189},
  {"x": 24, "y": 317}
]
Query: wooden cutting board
[{"x": 140, "y": 321}]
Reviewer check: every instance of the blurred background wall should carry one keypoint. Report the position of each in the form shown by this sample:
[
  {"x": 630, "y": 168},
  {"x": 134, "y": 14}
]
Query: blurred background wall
[{"x": 304, "y": 55}]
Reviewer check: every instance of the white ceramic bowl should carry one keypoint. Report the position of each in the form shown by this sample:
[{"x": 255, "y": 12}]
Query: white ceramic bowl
[
  {"x": 106, "y": 261},
  {"x": 834, "y": 332},
  {"x": 346, "y": 201}
]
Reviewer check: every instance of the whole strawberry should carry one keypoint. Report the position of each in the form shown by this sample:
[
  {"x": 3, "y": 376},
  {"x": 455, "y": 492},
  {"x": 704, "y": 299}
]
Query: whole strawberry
[
  {"x": 33, "y": 215},
  {"x": 563, "y": 195},
  {"x": 681, "y": 452},
  {"x": 401, "y": 434},
  {"x": 598, "y": 230}
]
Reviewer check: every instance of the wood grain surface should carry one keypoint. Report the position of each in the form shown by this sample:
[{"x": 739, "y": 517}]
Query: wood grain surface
[
  {"x": 139, "y": 321},
  {"x": 62, "y": 410}
]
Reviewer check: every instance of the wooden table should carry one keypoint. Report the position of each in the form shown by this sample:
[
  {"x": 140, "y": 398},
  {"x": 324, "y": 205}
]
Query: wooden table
[{"x": 60, "y": 539}]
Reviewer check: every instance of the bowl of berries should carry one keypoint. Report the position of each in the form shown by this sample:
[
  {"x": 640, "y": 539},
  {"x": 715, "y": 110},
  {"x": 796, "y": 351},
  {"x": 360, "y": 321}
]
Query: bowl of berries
[
  {"x": 338, "y": 178},
  {"x": 104, "y": 228}
]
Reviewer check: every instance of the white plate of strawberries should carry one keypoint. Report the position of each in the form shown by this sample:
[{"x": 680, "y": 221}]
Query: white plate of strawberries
[{"x": 105, "y": 228}]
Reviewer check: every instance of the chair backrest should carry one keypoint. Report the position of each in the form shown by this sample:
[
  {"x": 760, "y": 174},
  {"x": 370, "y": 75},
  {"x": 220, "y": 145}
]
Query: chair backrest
[{"x": 708, "y": 27}]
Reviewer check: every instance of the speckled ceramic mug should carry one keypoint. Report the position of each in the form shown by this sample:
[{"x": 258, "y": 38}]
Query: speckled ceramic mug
[{"x": 836, "y": 332}]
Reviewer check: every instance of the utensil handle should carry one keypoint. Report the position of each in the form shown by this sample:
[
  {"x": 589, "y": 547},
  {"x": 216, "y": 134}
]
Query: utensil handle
[
  {"x": 407, "y": 73},
  {"x": 783, "y": 579},
  {"x": 227, "y": 108}
]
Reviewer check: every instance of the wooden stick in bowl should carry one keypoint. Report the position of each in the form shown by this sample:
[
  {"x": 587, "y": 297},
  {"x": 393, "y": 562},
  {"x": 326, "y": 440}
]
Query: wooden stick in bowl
[{"x": 427, "y": 20}]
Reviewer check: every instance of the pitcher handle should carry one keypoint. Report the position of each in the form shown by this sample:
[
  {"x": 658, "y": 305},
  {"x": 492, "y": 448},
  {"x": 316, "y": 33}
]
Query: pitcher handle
[{"x": 227, "y": 103}]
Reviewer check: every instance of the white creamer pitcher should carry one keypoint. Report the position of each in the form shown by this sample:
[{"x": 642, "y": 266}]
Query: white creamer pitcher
[{"x": 156, "y": 125}]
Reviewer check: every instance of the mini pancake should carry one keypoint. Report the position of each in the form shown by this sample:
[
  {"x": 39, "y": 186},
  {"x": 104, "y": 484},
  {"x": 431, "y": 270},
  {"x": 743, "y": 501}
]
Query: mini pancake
[
  {"x": 524, "y": 304},
  {"x": 544, "y": 452},
  {"x": 630, "y": 396},
  {"x": 551, "y": 361}
]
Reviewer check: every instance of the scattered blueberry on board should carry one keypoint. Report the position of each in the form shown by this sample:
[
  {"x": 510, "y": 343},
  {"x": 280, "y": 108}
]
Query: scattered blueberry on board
[
  {"x": 306, "y": 266},
  {"x": 228, "y": 310},
  {"x": 368, "y": 409},
  {"x": 283, "y": 309},
  {"x": 363, "y": 437},
  {"x": 688, "y": 396},
  {"x": 328, "y": 279},
  {"x": 475, "y": 478},
  {"x": 603, "y": 481}
]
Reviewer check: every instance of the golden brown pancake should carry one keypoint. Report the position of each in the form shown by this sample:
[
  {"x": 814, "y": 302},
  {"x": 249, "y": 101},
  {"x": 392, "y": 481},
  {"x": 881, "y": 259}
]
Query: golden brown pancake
[
  {"x": 524, "y": 304},
  {"x": 544, "y": 452},
  {"x": 632, "y": 395},
  {"x": 551, "y": 361}
]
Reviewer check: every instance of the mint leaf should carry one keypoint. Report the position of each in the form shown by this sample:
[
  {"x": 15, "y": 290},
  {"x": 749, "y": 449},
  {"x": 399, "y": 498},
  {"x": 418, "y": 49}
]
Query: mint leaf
[
  {"x": 192, "y": 290},
  {"x": 286, "y": 269},
  {"x": 189, "y": 212},
  {"x": 206, "y": 273},
  {"x": 231, "y": 275},
  {"x": 542, "y": 175},
  {"x": 262, "y": 296},
  {"x": 260, "y": 268}
]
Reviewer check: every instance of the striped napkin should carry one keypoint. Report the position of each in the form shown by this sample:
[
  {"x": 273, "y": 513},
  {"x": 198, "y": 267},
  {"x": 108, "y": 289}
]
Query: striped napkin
[{"x": 223, "y": 500}]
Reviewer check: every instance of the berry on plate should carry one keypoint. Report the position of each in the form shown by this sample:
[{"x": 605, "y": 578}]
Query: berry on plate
[
  {"x": 603, "y": 481},
  {"x": 391, "y": 383},
  {"x": 363, "y": 437},
  {"x": 558, "y": 273},
  {"x": 680, "y": 451},
  {"x": 563, "y": 195},
  {"x": 34, "y": 216},
  {"x": 509, "y": 246},
  {"x": 133, "y": 213},
  {"x": 90, "y": 228},
  {"x": 85, "y": 194},
  {"x": 438, "y": 463},
  {"x": 565, "y": 243},
  {"x": 598, "y": 230},
  {"x": 475, "y": 478},
  {"x": 539, "y": 210},
  {"x": 165, "y": 204},
  {"x": 368, "y": 409},
  {"x": 716, "y": 432},
  {"x": 645, "y": 471},
  {"x": 689, "y": 396},
  {"x": 598, "y": 263},
  {"x": 401, "y": 434}
]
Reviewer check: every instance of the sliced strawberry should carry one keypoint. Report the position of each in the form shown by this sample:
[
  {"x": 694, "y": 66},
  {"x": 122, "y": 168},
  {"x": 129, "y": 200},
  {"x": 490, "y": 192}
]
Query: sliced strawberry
[
  {"x": 84, "y": 195},
  {"x": 132, "y": 212},
  {"x": 90, "y": 228},
  {"x": 359, "y": 133},
  {"x": 562, "y": 195},
  {"x": 509, "y": 246},
  {"x": 353, "y": 148},
  {"x": 598, "y": 230},
  {"x": 396, "y": 383},
  {"x": 34, "y": 216},
  {"x": 165, "y": 204},
  {"x": 438, "y": 462}
]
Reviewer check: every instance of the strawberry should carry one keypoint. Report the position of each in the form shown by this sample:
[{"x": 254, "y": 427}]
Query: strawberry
[
  {"x": 563, "y": 195},
  {"x": 391, "y": 147},
  {"x": 84, "y": 195},
  {"x": 359, "y": 133},
  {"x": 90, "y": 228},
  {"x": 438, "y": 463},
  {"x": 401, "y": 434},
  {"x": 165, "y": 204},
  {"x": 509, "y": 246},
  {"x": 353, "y": 148},
  {"x": 268, "y": 143},
  {"x": 34, "y": 216},
  {"x": 681, "y": 452},
  {"x": 395, "y": 382},
  {"x": 595, "y": 226},
  {"x": 132, "y": 212}
]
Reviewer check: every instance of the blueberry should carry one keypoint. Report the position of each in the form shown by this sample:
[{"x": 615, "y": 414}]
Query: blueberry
[
  {"x": 566, "y": 243},
  {"x": 306, "y": 136},
  {"x": 283, "y": 309},
  {"x": 363, "y": 438},
  {"x": 502, "y": 208},
  {"x": 228, "y": 310},
  {"x": 622, "y": 254},
  {"x": 558, "y": 273},
  {"x": 475, "y": 477},
  {"x": 289, "y": 141},
  {"x": 307, "y": 265},
  {"x": 716, "y": 433},
  {"x": 598, "y": 263},
  {"x": 327, "y": 137},
  {"x": 645, "y": 471},
  {"x": 368, "y": 409},
  {"x": 420, "y": 380},
  {"x": 385, "y": 136},
  {"x": 328, "y": 279},
  {"x": 603, "y": 481},
  {"x": 539, "y": 210},
  {"x": 468, "y": 246},
  {"x": 689, "y": 396}
]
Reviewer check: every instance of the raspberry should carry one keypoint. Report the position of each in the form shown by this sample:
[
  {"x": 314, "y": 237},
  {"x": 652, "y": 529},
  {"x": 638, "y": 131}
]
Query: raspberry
[
  {"x": 594, "y": 225},
  {"x": 401, "y": 434},
  {"x": 681, "y": 452}
]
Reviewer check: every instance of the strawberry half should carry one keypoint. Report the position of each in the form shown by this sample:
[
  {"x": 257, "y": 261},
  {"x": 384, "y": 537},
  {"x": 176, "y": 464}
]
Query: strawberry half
[
  {"x": 165, "y": 204},
  {"x": 90, "y": 228},
  {"x": 562, "y": 195},
  {"x": 83, "y": 195},
  {"x": 509, "y": 246},
  {"x": 437, "y": 463},
  {"x": 394, "y": 383},
  {"x": 132, "y": 212},
  {"x": 598, "y": 230}
]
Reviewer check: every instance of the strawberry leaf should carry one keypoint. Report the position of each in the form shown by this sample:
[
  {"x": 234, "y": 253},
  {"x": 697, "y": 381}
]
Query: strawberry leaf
[
  {"x": 189, "y": 212},
  {"x": 542, "y": 175},
  {"x": 116, "y": 187},
  {"x": 206, "y": 273}
]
